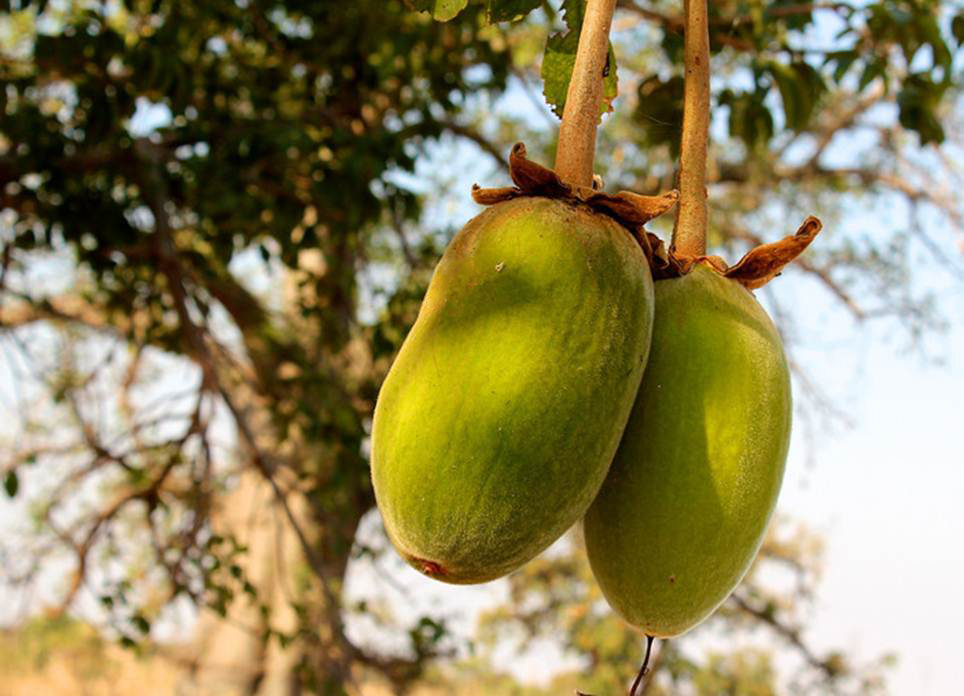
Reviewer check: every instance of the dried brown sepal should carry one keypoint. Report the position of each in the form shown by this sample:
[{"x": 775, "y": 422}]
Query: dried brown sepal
[
  {"x": 660, "y": 262},
  {"x": 491, "y": 196},
  {"x": 532, "y": 178},
  {"x": 678, "y": 265},
  {"x": 760, "y": 265},
  {"x": 757, "y": 267},
  {"x": 632, "y": 208},
  {"x": 717, "y": 263}
]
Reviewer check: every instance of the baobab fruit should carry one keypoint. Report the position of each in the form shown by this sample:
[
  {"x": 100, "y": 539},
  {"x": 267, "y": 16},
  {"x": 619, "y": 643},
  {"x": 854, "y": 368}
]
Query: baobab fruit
[
  {"x": 687, "y": 500},
  {"x": 499, "y": 418}
]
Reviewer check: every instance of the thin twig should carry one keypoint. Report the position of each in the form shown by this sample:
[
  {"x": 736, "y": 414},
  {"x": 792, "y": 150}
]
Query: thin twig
[
  {"x": 642, "y": 670},
  {"x": 791, "y": 634}
]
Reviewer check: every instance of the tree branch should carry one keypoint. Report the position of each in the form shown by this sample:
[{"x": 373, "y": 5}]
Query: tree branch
[
  {"x": 789, "y": 633},
  {"x": 63, "y": 308}
]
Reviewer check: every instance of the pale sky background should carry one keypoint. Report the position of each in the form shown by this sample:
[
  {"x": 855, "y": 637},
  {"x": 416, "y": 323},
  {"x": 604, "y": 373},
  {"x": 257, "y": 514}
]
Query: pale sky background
[
  {"x": 886, "y": 494},
  {"x": 888, "y": 497}
]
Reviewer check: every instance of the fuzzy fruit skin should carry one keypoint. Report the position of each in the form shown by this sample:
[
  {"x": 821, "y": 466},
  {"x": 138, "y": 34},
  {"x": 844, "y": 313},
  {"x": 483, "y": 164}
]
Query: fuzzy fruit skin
[
  {"x": 498, "y": 420},
  {"x": 685, "y": 507}
]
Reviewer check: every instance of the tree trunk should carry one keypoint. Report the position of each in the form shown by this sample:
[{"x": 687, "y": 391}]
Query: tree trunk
[{"x": 230, "y": 655}]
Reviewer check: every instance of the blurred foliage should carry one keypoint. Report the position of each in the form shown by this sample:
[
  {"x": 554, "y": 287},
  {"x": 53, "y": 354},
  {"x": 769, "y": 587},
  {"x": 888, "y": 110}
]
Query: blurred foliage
[
  {"x": 761, "y": 30},
  {"x": 32, "y": 645},
  {"x": 214, "y": 242},
  {"x": 63, "y": 656}
]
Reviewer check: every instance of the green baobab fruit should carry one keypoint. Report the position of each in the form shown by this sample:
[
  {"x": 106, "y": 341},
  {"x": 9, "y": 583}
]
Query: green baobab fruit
[
  {"x": 686, "y": 503},
  {"x": 501, "y": 414}
]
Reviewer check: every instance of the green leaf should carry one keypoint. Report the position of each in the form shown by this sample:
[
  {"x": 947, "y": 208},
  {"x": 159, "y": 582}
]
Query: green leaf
[
  {"x": 560, "y": 57},
  {"x": 873, "y": 70},
  {"x": 442, "y": 10},
  {"x": 791, "y": 93},
  {"x": 659, "y": 112},
  {"x": 843, "y": 60},
  {"x": 930, "y": 33},
  {"x": 918, "y": 100},
  {"x": 508, "y": 10},
  {"x": 957, "y": 28},
  {"x": 141, "y": 623},
  {"x": 11, "y": 483},
  {"x": 750, "y": 119},
  {"x": 673, "y": 46},
  {"x": 801, "y": 87},
  {"x": 574, "y": 11}
]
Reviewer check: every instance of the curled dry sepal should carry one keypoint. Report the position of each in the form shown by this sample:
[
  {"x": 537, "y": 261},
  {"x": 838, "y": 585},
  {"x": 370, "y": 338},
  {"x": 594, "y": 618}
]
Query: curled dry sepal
[
  {"x": 629, "y": 209},
  {"x": 761, "y": 264},
  {"x": 757, "y": 267}
]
